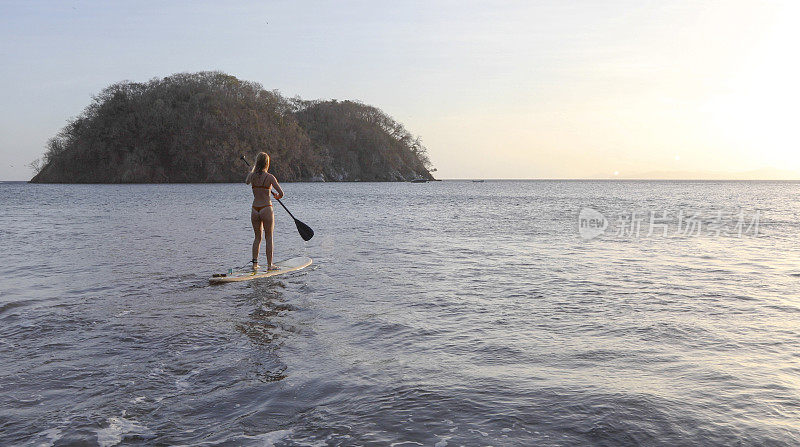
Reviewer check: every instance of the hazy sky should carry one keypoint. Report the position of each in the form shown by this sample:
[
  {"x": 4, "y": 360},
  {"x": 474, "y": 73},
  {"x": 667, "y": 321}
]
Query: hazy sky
[{"x": 525, "y": 89}]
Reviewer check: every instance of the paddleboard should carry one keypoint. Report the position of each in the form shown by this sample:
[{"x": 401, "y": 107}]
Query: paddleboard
[{"x": 246, "y": 274}]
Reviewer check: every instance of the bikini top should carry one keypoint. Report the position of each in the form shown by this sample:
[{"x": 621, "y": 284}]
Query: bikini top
[{"x": 264, "y": 186}]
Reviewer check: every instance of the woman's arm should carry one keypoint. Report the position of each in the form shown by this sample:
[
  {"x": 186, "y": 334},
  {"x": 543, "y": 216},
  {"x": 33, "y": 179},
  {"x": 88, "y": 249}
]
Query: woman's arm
[
  {"x": 278, "y": 193},
  {"x": 249, "y": 178}
]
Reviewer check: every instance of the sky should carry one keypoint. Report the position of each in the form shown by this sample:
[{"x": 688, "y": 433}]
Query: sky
[{"x": 519, "y": 89}]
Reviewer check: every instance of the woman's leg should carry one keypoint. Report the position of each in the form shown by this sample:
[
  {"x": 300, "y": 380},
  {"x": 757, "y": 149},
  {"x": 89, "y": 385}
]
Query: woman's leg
[
  {"x": 255, "y": 219},
  {"x": 268, "y": 219}
]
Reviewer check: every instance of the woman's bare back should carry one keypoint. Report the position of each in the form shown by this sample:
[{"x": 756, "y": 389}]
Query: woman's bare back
[{"x": 262, "y": 184}]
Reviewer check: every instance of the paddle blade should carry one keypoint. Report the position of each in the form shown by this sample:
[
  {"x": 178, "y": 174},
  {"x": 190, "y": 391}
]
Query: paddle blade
[{"x": 305, "y": 231}]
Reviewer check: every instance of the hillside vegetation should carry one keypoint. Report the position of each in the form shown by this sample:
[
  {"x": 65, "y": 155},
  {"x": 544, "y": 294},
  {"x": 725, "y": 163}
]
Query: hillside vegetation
[{"x": 193, "y": 127}]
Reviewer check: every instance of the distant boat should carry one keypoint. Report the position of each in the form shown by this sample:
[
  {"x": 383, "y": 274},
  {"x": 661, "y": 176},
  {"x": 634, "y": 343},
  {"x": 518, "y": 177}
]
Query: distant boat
[
  {"x": 478, "y": 181},
  {"x": 418, "y": 180}
]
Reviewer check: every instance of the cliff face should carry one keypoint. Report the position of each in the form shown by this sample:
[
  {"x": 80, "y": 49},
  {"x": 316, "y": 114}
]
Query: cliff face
[{"x": 194, "y": 127}]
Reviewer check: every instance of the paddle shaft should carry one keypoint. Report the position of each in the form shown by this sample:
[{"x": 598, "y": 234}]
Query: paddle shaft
[{"x": 284, "y": 207}]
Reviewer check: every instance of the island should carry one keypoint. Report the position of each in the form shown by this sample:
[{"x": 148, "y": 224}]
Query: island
[{"x": 195, "y": 127}]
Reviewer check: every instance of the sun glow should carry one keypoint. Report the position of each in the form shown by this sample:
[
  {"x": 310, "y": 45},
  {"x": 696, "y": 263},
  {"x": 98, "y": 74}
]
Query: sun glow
[{"x": 756, "y": 113}]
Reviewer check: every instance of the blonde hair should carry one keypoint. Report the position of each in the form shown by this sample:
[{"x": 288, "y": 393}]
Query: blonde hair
[{"x": 262, "y": 162}]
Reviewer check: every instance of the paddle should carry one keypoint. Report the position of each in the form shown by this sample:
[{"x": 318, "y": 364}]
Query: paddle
[{"x": 305, "y": 231}]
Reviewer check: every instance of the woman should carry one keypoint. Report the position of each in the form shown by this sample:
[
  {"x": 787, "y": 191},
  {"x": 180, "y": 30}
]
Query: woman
[{"x": 261, "y": 212}]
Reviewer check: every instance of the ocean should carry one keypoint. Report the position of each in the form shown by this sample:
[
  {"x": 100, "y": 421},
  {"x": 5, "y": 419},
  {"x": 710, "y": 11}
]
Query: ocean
[{"x": 503, "y": 313}]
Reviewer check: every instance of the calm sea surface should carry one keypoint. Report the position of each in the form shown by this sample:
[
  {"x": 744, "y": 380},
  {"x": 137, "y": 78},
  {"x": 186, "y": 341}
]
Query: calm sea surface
[{"x": 439, "y": 314}]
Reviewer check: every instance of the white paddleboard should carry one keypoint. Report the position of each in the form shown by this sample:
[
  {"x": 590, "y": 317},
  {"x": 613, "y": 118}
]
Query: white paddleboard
[{"x": 246, "y": 274}]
